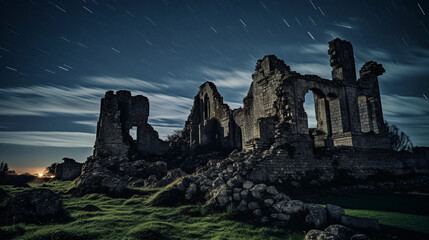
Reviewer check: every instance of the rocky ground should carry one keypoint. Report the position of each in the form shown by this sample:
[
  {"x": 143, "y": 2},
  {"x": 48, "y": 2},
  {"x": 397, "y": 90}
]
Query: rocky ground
[{"x": 234, "y": 183}]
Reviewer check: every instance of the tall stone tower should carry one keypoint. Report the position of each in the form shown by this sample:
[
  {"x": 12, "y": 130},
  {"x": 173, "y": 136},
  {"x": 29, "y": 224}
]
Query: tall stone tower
[{"x": 342, "y": 60}]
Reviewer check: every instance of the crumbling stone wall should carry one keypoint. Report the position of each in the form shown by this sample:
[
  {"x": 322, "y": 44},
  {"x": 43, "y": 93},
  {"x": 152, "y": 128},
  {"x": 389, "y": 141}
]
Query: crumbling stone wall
[
  {"x": 348, "y": 111},
  {"x": 260, "y": 111},
  {"x": 68, "y": 170},
  {"x": 118, "y": 114},
  {"x": 211, "y": 123}
]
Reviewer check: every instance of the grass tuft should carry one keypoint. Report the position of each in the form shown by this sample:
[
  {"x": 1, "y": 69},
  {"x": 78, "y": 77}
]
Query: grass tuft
[{"x": 169, "y": 195}]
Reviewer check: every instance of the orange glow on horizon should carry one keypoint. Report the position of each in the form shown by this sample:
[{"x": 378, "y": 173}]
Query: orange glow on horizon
[{"x": 30, "y": 170}]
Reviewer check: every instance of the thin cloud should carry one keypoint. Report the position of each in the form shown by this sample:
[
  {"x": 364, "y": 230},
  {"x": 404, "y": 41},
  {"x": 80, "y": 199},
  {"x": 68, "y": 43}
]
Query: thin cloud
[
  {"x": 123, "y": 82},
  {"x": 315, "y": 48},
  {"x": 397, "y": 105},
  {"x": 319, "y": 69},
  {"x": 48, "y": 139},
  {"x": 46, "y": 100},
  {"x": 86, "y": 123},
  {"x": 399, "y": 66},
  {"x": 164, "y": 106},
  {"x": 228, "y": 79},
  {"x": 410, "y": 114}
]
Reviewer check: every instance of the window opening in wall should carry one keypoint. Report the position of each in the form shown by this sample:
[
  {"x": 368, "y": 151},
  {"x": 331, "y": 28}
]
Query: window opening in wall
[
  {"x": 206, "y": 107},
  {"x": 310, "y": 110},
  {"x": 133, "y": 132}
]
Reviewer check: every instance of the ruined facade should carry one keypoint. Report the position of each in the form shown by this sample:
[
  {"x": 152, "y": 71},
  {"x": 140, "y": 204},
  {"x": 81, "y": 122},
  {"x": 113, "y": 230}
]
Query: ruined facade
[
  {"x": 271, "y": 129},
  {"x": 211, "y": 122},
  {"x": 68, "y": 170},
  {"x": 348, "y": 110},
  {"x": 119, "y": 113}
]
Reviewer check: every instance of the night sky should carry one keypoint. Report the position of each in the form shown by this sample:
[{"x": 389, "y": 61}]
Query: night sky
[{"x": 57, "y": 59}]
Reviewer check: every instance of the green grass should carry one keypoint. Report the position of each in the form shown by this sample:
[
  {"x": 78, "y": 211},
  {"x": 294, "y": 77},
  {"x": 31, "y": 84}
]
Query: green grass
[
  {"x": 137, "y": 217},
  {"x": 411, "y": 203},
  {"x": 148, "y": 215},
  {"x": 409, "y": 211},
  {"x": 411, "y": 222}
]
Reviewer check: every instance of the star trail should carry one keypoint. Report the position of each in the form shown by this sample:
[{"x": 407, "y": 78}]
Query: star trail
[{"x": 57, "y": 59}]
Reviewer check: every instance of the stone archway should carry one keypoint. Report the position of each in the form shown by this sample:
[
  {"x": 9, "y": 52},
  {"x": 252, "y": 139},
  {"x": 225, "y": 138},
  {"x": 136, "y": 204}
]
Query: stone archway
[{"x": 323, "y": 129}]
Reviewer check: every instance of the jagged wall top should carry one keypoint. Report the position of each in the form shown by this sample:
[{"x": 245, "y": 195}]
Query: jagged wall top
[
  {"x": 269, "y": 65},
  {"x": 119, "y": 113},
  {"x": 342, "y": 60}
]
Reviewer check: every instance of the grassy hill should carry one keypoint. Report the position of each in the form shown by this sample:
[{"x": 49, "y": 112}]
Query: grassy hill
[{"x": 136, "y": 217}]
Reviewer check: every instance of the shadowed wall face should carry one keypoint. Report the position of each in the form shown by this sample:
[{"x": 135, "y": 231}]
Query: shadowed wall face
[
  {"x": 211, "y": 122},
  {"x": 120, "y": 113}
]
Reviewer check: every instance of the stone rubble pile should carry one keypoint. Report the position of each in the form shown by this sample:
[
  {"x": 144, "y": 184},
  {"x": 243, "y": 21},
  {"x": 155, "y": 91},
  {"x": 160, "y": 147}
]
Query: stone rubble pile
[
  {"x": 236, "y": 182},
  {"x": 111, "y": 175}
]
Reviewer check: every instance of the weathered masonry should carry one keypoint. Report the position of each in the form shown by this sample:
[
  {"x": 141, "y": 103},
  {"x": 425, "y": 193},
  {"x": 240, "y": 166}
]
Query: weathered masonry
[
  {"x": 348, "y": 110},
  {"x": 120, "y": 113},
  {"x": 68, "y": 170},
  {"x": 211, "y": 121}
]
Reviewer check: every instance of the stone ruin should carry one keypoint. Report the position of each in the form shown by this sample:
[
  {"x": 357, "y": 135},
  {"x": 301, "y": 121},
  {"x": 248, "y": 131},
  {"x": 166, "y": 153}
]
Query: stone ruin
[
  {"x": 348, "y": 111},
  {"x": 351, "y": 134},
  {"x": 68, "y": 170},
  {"x": 244, "y": 154},
  {"x": 119, "y": 113}
]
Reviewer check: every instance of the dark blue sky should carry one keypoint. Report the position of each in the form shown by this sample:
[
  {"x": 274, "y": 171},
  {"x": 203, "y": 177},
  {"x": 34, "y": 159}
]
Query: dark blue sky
[{"x": 57, "y": 58}]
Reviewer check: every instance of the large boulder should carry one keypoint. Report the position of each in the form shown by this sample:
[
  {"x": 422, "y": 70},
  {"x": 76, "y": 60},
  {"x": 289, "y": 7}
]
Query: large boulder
[
  {"x": 316, "y": 216},
  {"x": 335, "y": 232},
  {"x": 366, "y": 224},
  {"x": 99, "y": 182},
  {"x": 33, "y": 206},
  {"x": 334, "y": 213}
]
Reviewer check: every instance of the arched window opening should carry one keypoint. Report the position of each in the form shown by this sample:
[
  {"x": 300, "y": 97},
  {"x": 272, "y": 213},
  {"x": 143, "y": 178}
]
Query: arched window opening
[
  {"x": 206, "y": 107},
  {"x": 310, "y": 110}
]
